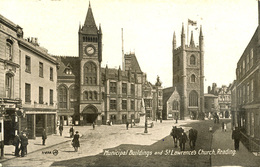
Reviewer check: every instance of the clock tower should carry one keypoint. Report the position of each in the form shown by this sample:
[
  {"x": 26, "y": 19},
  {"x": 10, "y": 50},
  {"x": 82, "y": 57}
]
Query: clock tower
[{"x": 90, "y": 56}]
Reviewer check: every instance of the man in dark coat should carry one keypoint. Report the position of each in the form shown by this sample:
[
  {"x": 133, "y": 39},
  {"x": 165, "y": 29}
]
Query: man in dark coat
[
  {"x": 182, "y": 140},
  {"x": 236, "y": 137},
  {"x": 75, "y": 141},
  {"x": 16, "y": 143},
  {"x": 44, "y": 136},
  {"x": 71, "y": 131},
  {"x": 193, "y": 137},
  {"x": 24, "y": 143},
  {"x": 61, "y": 129},
  {"x": 93, "y": 124},
  {"x": 127, "y": 124}
]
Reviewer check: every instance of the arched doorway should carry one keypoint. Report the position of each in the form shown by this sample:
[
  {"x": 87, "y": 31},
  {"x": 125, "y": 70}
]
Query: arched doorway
[
  {"x": 226, "y": 114},
  {"x": 90, "y": 114}
]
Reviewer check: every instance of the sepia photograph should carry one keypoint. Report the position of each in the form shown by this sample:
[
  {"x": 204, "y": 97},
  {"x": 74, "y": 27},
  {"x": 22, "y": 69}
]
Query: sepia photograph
[{"x": 122, "y": 83}]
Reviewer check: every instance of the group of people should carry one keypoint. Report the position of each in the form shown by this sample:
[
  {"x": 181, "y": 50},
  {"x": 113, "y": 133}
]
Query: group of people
[
  {"x": 178, "y": 134},
  {"x": 20, "y": 142}
]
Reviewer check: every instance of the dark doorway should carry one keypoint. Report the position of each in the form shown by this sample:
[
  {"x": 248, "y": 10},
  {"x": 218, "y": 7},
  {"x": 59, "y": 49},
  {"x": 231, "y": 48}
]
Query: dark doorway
[
  {"x": 40, "y": 124},
  {"x": 90, "y": 114},
  {"x": 113, "y": 119},
  {"x": 88, "y": 119}
]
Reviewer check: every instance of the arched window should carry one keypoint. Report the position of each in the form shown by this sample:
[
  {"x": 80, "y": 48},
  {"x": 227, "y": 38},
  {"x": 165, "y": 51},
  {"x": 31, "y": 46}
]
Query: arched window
[
  {"x": 62, "y": 97},
  {"x": 9, "y": 85},
  {"x": 9, "y": 49},
  {"x": 95, "y": 95},
  {"x": 73, "y": 98},
  {"x": 90, "y": 95},
  {"x": 85, "y": 95},
  {"x": 193, "y": 98},
  {"x": 192, "y": 60},
  {"x": 90, "y": 73},
  {"x": 175, "y": 105},
  {"x": 192, "y": 78}
]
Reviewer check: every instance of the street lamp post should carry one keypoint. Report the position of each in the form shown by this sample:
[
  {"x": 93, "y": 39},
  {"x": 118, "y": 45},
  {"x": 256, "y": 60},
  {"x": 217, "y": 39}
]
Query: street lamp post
[{"x": 145, "y": 124}]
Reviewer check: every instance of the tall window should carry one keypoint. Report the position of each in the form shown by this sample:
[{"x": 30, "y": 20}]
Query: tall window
[
  {"x": 72, "y": 96},
  {"x": 112, "y": 87},
  {"x": 27, "y": 64},
  {"x": 175, "y": 105},
  {"x": 40, "y": 95},
  {"x": 192, "y": 60},
  {"x": 124, "y": 88},
  {"x": 51, "y": 97},
  {"x": 28, "y": 93},
  {"x": 9, "y": 50},
  {"x": 85, "y": 95},
  {"x": 252, "y": 90},
  {"x": 192, "y": 78},
  {"x": 9, "y": 85},
  {"x": 124, "y": 104},
  {"x": 90, "y": 73},
  {"x": 247, "y": 62},
  {"x": 95, "y": 95},
  {"x": 193, "y": 98},
  {"x": 113, "y": 104},
  {"x": 132, "y": 89},
  {"x": 40, "y": 69},
  {"x": 132, "y": 104},
  {"x": 244, "y": 69},
  {"x": 251, "y": 57},
  {"x": 247, "y": 92},
  {"x": 51, "y": 74},
  {"x": 62, "y": 97}
]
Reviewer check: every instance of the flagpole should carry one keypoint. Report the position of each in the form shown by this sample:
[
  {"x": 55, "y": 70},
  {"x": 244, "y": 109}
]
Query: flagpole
[{"x": 188, "y": 32}]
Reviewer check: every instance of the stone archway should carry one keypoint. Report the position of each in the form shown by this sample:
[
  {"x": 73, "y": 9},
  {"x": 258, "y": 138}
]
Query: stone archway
[{"x": 90, "y": 114}]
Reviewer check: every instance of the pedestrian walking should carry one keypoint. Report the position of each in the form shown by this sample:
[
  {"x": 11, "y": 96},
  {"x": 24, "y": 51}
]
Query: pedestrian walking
[
  {"x": 16, "y": 143},
  {"x": 223, "y": 124},
  {"x": 44, "y": 136},
  {"x": 127, "y": 124},
  {"x": 236, "y": 137},
  {"x": 75, "y": 141},
  {"x": 225, "y": 127},
  {"x": 182, "y": 140},
  {"x": 93, "y": 124},
  {"x": 174, "y": 134},
  {"x": 61, "y": 129},
  {"x": 193, "y": 137},
  {"x": 24, "y": 143},
  {"x": 71, "y": 131}
]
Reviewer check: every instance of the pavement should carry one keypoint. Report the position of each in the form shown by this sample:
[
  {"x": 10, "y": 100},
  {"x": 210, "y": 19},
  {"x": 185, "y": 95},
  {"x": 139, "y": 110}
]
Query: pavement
[
  {"x": 227, "y": 156},
  {"x": 221, "y": 141}
]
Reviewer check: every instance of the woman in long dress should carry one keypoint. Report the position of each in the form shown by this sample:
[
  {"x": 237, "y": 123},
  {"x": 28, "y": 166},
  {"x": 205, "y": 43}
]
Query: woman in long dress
[{"x": 75, "y": 141}]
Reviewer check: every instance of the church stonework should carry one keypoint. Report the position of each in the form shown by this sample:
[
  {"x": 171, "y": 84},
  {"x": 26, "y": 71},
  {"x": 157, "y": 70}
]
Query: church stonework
[{"x": 188, "y": 75}]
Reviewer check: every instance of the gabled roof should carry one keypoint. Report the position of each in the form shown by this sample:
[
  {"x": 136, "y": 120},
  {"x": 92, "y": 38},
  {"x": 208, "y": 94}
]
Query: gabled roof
[
  {"x": 66, "y": 62},
  {"x": 134, "y": 63},
  {"x": 167, "y": 92}
]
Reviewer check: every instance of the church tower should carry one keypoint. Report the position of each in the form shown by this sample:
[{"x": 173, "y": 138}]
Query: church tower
[
  {"x": 90, "y": 57},
  {"x": 188, "y": 75}
]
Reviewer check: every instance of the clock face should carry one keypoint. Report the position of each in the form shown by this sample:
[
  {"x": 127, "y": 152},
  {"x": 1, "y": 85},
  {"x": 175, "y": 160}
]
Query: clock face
[{"x": 90, "y": 49}]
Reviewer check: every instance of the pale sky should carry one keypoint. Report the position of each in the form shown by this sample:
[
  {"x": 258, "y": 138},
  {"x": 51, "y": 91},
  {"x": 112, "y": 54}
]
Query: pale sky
[{"x": 148, "y": 25}]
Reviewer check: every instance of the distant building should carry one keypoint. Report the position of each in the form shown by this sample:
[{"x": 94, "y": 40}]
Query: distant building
[
  {"x": 211, "y": 104},
  {"x": 171, "y": 103},
  {"x": 188, "y": 75},
  {"x": 88, "y": 93},
  {"x": 247, "y": 91},
  {"x": 224, "y": 99},
  {"x": 28, "y": 83}
]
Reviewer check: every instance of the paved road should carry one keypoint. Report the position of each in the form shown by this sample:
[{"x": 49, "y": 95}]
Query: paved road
[{"x": 106, "y": 139}]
